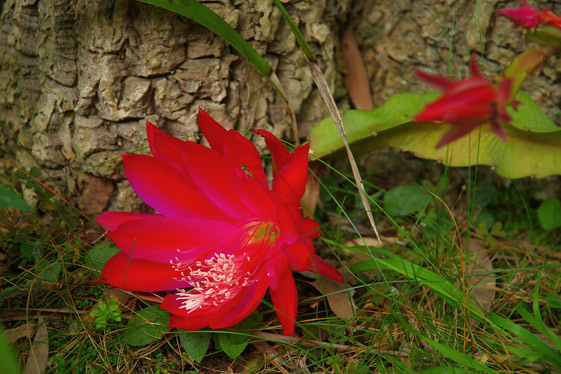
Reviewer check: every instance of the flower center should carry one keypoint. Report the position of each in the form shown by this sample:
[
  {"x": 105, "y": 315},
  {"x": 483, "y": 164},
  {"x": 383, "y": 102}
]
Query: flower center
[
  {"x": 265, "y": 231},
  {"x": 215, "y": 281}
]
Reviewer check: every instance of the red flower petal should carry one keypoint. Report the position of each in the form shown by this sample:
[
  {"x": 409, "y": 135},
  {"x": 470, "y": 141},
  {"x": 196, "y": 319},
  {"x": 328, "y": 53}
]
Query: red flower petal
[
  {"x": 299, "y": 255},
  {"x": 190, "y": 323},
  {"x": 164, "y": 189},
  {"x": 164, "y": 147},
  {"x": 212, "y": 131},
  {"x": 527, "y": 16},
  {"x": 181, "y": 239},
  {"x": 255, "y": 197},
  {"x": 454, "y": 133},
  {"x": 437, "y": 81},
  {"x": 209, "y": 172},
  {"x": 323, "y": 268},
  {"x": 243, "y": 154},
  {"x": 278, "y": 150},
  {"x": 111, "y": 220},
  {"x": 285, "y": 298},
  {"x": 290, "y": 181},
  {"x": 212, "y": 173},
  {"x": 246, "y": 302},
  {"x": 140, "y": 275},
  {"x": 217, "y": 317}
]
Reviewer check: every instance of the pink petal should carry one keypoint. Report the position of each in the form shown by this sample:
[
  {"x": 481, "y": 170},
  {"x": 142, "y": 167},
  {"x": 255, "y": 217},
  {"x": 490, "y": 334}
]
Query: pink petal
[
  {"x": 243, "y": 153},
  {"x": 191, "y": 323},
  {"x": 278, "y": 150},
  {"x": 178, "y": 239},
  {"x": 111, "y": 220},
  {"x": 498, "y": 130},
  {"x": 164, "y": 147},
  {"x": 299, "y": 255},
  {"x": 243, "y": 305},
  {"x": 454, "y": 133},
  {"x": 323, "y": 268},
  {"x": 220, "y": 316},
  {"x": 213, "y": 175},
  {"x": 437, "y": 81},
  {"x": 309, "y": 228},
  {"x": 285, "y": 300},
  {"x": 206, "y": 168},
  {"x": 163, "y": 188},
  {"x": 212, "y": 131},
  {"x": 140, "y": 275},
  {"x": 474, "y": 68},
  {"x": 255, "y": 197},
  {"x": 290, "y": 182}
]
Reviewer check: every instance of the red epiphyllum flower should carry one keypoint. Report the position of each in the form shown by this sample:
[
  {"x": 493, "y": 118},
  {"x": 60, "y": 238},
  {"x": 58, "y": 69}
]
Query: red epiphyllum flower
[
  {"x": 221, "y": 237},
  {"x": 467, "y": 103},
  {"x": 530, "y": 17}
]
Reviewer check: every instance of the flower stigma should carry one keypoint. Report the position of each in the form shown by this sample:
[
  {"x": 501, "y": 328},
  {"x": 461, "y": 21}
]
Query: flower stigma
[{"x": 215, "y": 281}]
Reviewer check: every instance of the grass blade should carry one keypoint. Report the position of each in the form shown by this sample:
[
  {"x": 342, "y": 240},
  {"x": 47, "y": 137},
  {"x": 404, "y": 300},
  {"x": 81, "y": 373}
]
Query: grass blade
[
  {"x": 296, "y": 31},
  {"x": 535, "y": 343},
  {"x": 442, "y": 286}
]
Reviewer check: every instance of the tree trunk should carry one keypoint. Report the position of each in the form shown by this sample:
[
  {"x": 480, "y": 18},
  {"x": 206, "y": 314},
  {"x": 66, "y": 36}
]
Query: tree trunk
[{"x": 78, "y": 77}]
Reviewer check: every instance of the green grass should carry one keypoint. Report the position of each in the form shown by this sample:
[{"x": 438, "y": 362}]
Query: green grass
[{"x": 414, "y": 312}]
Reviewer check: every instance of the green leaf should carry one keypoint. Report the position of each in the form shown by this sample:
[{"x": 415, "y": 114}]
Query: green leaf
[
  {"x": 233, "y": 343},
  {"x": 546, "y": 35},
  {"x": 147, "y": 326},
  {"x": 549, "y": 214},
  {"x": 10, "y": 199},
  {"x": 48, "y": 271},
  {"x": 361, "y": 124},
  {"x": 529, "y": 116},
  {"x": 212, "y": 21},
  {"x": 483, "y": 194},
  {"x": 486, "y": 218},
  {"x": 195, "y": 343},
  {"x": 30, "y": 250},
  {"x": 525, "y": 153},
  {"x": 406, "y": 200},
  {"x": 7, "y": 356},
  {"x": 100, "y": 254}
]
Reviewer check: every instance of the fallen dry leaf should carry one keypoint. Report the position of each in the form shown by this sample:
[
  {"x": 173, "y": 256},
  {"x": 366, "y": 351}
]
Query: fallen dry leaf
[
  {"x": 20, "y": 332},
  {"x": 356, "y": 79},
  {"x": 339, "y": 297},
  {"x": 311, "y": 194},
  {"x": 39, "y": 352}
]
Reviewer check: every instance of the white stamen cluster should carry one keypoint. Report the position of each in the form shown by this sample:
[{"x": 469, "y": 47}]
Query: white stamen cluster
[{"x": 215, "y": 280}]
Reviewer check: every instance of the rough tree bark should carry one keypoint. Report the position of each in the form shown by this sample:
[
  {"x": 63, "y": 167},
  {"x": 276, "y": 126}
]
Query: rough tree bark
[{"x": 78, "y": 77}]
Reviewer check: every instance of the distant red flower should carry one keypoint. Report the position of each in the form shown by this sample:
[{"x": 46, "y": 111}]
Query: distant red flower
[
  {"x": 222, "y": 236},
  {"x": 530, "y": 17},
  {"x": 467, "y": 104}
]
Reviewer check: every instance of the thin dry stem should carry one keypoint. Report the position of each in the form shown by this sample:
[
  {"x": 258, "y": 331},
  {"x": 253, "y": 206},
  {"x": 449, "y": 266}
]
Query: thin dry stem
[{"x": 328, "y": 98}]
